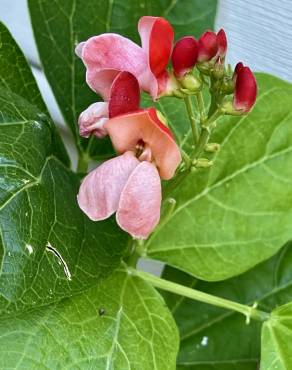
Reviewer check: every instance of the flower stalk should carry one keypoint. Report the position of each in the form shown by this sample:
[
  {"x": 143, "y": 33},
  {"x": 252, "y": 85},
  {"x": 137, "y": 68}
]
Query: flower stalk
[{"x": 247, "y": 311}]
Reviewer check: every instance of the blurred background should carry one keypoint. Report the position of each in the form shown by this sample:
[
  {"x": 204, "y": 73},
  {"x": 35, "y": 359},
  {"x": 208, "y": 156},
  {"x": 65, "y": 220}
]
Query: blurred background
[{"x": 259, "y": 34}]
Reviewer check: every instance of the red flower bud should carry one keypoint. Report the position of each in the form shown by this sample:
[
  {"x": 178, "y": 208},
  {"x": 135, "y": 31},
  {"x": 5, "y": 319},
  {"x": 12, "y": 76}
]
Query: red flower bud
[
  {"x": 184, "y": 55},
  {"x": 237, "y": 68},
  {"x": 245, "y": 89},
  {"x": 222, "y": 43},
  {"x": 208, "y": 46}
]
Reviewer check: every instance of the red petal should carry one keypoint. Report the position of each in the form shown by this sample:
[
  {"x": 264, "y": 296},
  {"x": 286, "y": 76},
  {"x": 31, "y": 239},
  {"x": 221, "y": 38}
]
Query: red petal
[
  {"x": 124, "y": 94},
  {"x": 245, "y": 90},
  {"x": 208, "y": 46},
  {"x": 139, "y": 207},
  {"x": 222, "y": 43},
  {"x": 157, "y": 38},
  {"x": 237, "y": 68},
  {"x": 100, "y": 191},
  {"x": 184, "y": 55},
  {"x": 127, "y": 130}
]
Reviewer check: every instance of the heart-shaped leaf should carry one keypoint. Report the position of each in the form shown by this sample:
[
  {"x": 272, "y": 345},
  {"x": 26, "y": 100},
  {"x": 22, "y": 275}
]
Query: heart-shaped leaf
[
  {"x": 217, "y": 339},
  {"x": 16, "y": 76},
  {"x": 122, "y": 323},
  {"x": 277, "y": 339},
  {"x": 236, "y": 214},
  {"x": 49, "y": 248}
]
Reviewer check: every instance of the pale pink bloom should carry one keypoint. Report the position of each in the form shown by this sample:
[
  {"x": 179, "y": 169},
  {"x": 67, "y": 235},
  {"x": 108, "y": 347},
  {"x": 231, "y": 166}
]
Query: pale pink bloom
[
  {"x": 130, "y": 183},
  {"x": 126, "y": 186},
  {"x": 92, "y": 120},
  {"x": 106, "y": 55}
]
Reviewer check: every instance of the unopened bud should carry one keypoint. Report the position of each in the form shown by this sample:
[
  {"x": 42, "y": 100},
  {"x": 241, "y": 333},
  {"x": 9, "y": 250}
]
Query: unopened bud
[
  {"x": 212, "y": 147},
  {"x": 218, "y": 70},
  {"x": 227, "y": 86},
  {"x": 203, "y": 163},
  {"x": 192, "y": 83}
]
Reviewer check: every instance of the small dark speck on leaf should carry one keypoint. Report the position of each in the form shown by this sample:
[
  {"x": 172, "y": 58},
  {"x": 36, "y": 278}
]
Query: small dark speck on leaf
[{"x": 101, "y": 311}]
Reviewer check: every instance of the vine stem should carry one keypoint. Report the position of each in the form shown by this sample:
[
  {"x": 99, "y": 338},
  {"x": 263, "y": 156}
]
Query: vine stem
[
  {"x": 83, "y": 160},
  {"x": 249, "y": 312},
  {"x": 191, "y": 115}
]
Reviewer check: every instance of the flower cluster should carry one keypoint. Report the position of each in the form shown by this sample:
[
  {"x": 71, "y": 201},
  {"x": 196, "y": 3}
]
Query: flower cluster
[{"x": 118, "y": 69}]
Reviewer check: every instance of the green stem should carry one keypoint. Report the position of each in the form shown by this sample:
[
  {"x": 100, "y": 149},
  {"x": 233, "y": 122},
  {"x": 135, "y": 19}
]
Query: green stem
[
  {"x": 203, "y": 140},
  {"x": 83, "y": 160},
  {"x": 249, "y": 312},
  {"x": 201, "y": 107},
  {"x": 191, "y": 114}
]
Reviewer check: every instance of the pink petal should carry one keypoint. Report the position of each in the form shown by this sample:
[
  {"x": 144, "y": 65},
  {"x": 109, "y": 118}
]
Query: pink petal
[
  {"x": 124, "y": 94},
  {"x": 139, "y": 207},
  {"x": 100, "y": 191},
  {"x": 108, "y": 54},
  {"x": 127, "y": 130},
  {"x": 92, "y": 120}
]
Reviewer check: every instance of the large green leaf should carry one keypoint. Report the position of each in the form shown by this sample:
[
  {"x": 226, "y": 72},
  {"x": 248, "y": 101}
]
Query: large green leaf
[
  {"x": 217, "y": 339},
  {"x": 121, "y": 324},
  {"x": 277, "y": 339},
  {"x": 237, "y": 214},
  {"x": 49, "y": 249},
  {"x": 59, "y": 26},
  {"x": 16, "y": 76}
]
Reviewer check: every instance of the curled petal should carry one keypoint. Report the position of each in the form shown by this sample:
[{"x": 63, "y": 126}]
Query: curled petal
[
  {"x": 139, "y": 207},
  {"x": 245, "y": 90},
  {"x": 129, "y": 129},
  {"x": 124, "y": 94},
  {"x": 184, "y": 55},
  {"x": 222, "y": 43},
  {"x": 92, "y": 120},
  {"x": 237, "y": 68},
  {"x": 100, "y": 191},
  {"x": 208, "y": 46},
  {"x": 108, "y": 54},
  {"x": 157, "y": 39}
]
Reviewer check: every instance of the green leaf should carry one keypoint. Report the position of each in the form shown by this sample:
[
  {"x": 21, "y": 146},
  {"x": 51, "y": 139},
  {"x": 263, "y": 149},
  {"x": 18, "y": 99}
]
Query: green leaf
[
  {"x": 16, "y": 76},
  {"x": 217, "y": 339},
  {"x": 59, "y": 26},
  {"x": 276, "y": 340},
  {"x": 123, "y": 323},
  {"x": 238, "y": 213},
  {"x": 49, "y": 249}
]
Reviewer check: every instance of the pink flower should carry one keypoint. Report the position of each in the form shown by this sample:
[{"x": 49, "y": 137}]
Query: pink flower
[
  {"x": 130, "y": 183},
  {"x": 184, "y": 55},
  {"x": 124, "y": 97},
  {"x": 212, "y": 45},
  {"x": 106, "y": 55},
  {"x": 245, "y": 88}
]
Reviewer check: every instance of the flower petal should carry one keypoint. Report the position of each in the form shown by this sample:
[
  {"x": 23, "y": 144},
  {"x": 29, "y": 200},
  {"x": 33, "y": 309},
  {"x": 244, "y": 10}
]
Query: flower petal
[
  {"x": 184, "y": 55},
  {"x": 124, "y": 94},
  {"x": 222, "y": 43},
  {"x": 129, "y": 129},
  {"x": 139, "y": 207},
  {"x": 92, "y": 120},
  {"x": 208, "y": 46},
  {"x": 157, "y": 39},
  {"x": 108, "y": 54},
  {"x": 100, "y": 191},
  {"x": 245, "y": 90}
]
